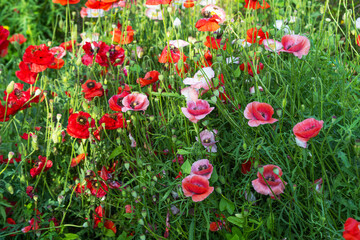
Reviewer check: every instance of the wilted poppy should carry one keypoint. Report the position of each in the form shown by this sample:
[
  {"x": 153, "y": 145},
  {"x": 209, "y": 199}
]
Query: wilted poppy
[
  {"x": 296, "y": 44},
  {"x": 351, "y": 229},
  {"x": 39, "y": 57},
  {"x": 202, "y": 168},
  {"x": 17, "y": 38},
  {"x": 254, "y": 4},
  {"x": 196, "y": 111},
  {"x": 42, "y": 163},
  {"x": 65, "y": 2},
  {"x": 197, "y": 187},
  {"x": 113, "y": 121},
  {"x": 78, "y": 125},
  {"x": 208, "y": 24},
  {"x": 271, "y": 178},
  {"x": 135, "y": 102},
  {"x": 259, "y": 113},
  {"x": 254, "y": 35},
  {"x": 92, "y": 89},
  {"x": 25, "y": 74},
  {"x": 4, "y": 43},
  {"x": 307, "y": 129},
  {"x": 150, "y": 77}
]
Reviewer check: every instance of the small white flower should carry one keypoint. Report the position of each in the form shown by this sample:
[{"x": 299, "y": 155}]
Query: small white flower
[
  {"x": 177, "y": 22},
  {"x": 357, "y": 23}
]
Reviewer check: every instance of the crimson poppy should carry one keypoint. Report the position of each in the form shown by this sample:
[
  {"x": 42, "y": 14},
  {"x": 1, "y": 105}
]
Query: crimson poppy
[
  {"x": 39, "y": 57},
  {"x": 100, "y": 4},
  {"x": 4, "y": 43},
  {"x": 208, "y": 24},
  {"x": 17, "y": 38},
  {"x": 43, "y": 164},
  {"x": 98, "y": 215},
  {"x": 78, "y": 125},
  {"x": 93, "y": 49},
  {"x": 17, "y": 99},
  {"x": 34, "y": 225},
  {"x": 351, "y": 229},
  {"x": 254, "y": 4},
  {"x": 115, "y": 102},
  {"x": 96, "y": 189},
  {"x": 197, "y": 187},
  {"x": 68, "y": 45},
  {"x": 269, "y": 177},
  {"x": 173, "y": 57},
  {"x": 307, "y": 129},
  {"x": 110, "y": 225},
  {"x": 123, "y": 36},
  {"x": 358, "y": 40},
  {"x": 57, "y": 64},
  {"x": 254, "y": 35},
  {"x": 92, "y": 89},
  {"x": 25, "y": 74},
  {"x": 113, "y": 121},
  {"x": 150, "y": 77}
]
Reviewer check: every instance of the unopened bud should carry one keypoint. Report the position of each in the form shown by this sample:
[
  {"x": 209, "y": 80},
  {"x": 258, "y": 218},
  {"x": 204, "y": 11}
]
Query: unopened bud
[
  {"x": 10, "y": 155},
  {"x": 141, "y": 222},
  {"x": 58, "y": 117},
  {"x": 37, "y": 92},
  {"x": 10, "y": 87}
]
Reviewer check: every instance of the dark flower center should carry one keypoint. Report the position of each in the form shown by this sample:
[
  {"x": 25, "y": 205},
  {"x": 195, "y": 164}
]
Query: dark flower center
[
  {"x": 90, "y": 84},
  {"x": 119, "y": 102},
  {"x": 270, "y": 178},
  {"x": 113, "y": 116},
  {"x": 17, "y": 93},
  {"x": 81, "y": 120},
  {"x": 134, "y": 104},
  {"x": 203, "y": 167},
  {"x": 207, "y": 140}
]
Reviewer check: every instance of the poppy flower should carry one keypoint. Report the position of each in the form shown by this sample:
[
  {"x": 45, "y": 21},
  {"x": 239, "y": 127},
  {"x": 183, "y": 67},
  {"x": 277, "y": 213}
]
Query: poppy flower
[
  {"x": 30, "y": 191},
  {"x": 92, "y": 89},
  {"x": 98, "y": 215},
  {"x": 25, "y": 74},
  {"x": 214, "y": 43},
  {"x": 96, "y": 189},
  {"x": 58, "y": 52},
  {"x": 259, "y": 113},
  {"x": 205, "y": 61},
  {"x": 273, "y": 180},
  {"x": 207, "y": 139},
  {"x": 295, "y": 44},
  {"x": 208, "y": 24},
  {"x": 154, "y": 13},
  {"x": 307, "y": 129},
  {"x": 254, "y": 35},
  {"x": 42, "y": 163},
  {"x": 178, "y": 43},
  {"x": 189, "y": 3},
  {"x": 65, "y": 2},
  {"x": 115, "y": 102},
  {"x": 91, "y": 49},
  {"x": 110, "y": 225},
  {"x": 254, "y": 4},
  {"x": 4, "y": 43},
  {"x": 211, "y": 10},
  {"x": 77, "y": 160},
  {"x": 68, "y": 45},
  {"x": 184, "y": 69},
  {"x": 351, "y": 229},
  {"x": 123, "y": 36},
  {"x": 100, "y": 4},
  {"x": 150, "y": 77},
  {"x": 39, "y": 57},
  {"x": 173, "y": 57},
  {"x": 113, "y": 121},
  {"x": 196, "y": 111},
  {"x": 57, "y": 64},
  {"x": 215, "y": 226},
  {"x": 272, "y": 45},
  {"x": 190, "y": 94},
  {"x": 78, "y": 125},
  {"x": 157, "y": 2},
  {"x": 34, "y": 225},
  {"x": 17, "y": 38},
  {"x": 202, "y": 168},
  {"x": 201, "y": 79},
  {"x": 197, "y": 187},
  {"x": 358, "y": 40},
  {"x": 135, "y": 102},
  {"x": 9, "y": 221},
  {"x": 17, "y": 99},
  {"x": 110, "y": 55},
  {"x": 246, "y": 166},
  {"x": 250, "y": 64},
  {"x": 5, "y": 161}
]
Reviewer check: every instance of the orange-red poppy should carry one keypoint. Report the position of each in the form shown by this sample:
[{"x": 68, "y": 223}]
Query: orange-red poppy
[
  {"x": 157, "y": 2},
  {"x": 65, "y": 2},
  {"x": 253, "y": 34},
  {"x": 214, "y": 43},
  {"x": 57, "y": 64},
  {"x": 100, "y": 4},
  {"x": 358, "y": 41},
  {"x": 17, "y": 38},
  {"x": 150, "y": 77},
  {"x": 77, "y": 160},
  {"x": 123, "y": 37},
  {"x": 254, "y": 4},
  {"x": 189, "y": 4},
  {"x": 208, "y": 24},
  {"x": 173, "y": 57}
]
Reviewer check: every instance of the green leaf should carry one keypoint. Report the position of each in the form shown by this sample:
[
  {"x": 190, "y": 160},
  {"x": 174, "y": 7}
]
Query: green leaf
[
  {"x": 71, "y": 236},
  {"x": 237, "y": 72},
  {"x": 344, "y": 159},
  {"x": 124, "y": 236},
  {"x": 214, "y": 176},
  {"x": 183, "y": 152},
  {"x": 186, "y": 167},
  {"x": 228, "y": 205},
  {"x": 192, "y": 230},
  {"x": 109, "y": 233},
  {"x": 3, "y": 214},
  {"x": 237, "y": 221},
  {"x": 116, "y": 152}
]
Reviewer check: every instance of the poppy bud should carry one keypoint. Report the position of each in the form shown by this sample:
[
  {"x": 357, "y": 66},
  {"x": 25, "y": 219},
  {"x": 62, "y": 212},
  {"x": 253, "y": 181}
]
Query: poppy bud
[
  {"x": 155, "y": 178},
  {"x": 284, "y": 103},
  {"x": 36, "y": 197},
  {"x": 134, "y": 194},
  {"x": 173, "y": 130},
  {"x": 173, "y": 138},
  {"x": 61, "y": 24},
  {"x": 22, "y": 179},
  {"x": 85, "y": 225},
  {"x": 9, "y": 188},
  {"x": 149, "y": 168},
  {"x": 10, "y": 155},
  {"x": 141, "y": 222},
  {"x": 144, "y": 213},
  {"x": 161, "y": 77},
  {"x": 123, "y": 193},
  {"x": 222, "y": 179},
  {"x": 37, "y": 92},
  {"x": 133, "y": 118},
  {"x": 142, "y": 237},
  {"x": 218, "y": 190},
  {"x": 244, "y": 146},
  {"x": 152, "y": 118},
  {"x": 10, "y": 87},
  {"x": 58, "y": 117}
]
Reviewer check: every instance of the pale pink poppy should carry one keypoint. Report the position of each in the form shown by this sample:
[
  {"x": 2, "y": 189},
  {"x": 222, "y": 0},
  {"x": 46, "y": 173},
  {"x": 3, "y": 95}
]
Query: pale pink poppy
[
  {"x": 207, "y": 139},
  {"x": 179, "y": 43},
  {"x": 196, "y": 111},
  {"x": 201, "y": 79},
  {"x": 259, "y": 113},
  {"x": 154, "y": 13},
  {"x": 252, "y": 89},
  {"x": 307, "y": 129},
  {"x": 202, "y": 168},
  {"x": 190, "y": 94},
  {"x": 271, "y": 178},
  {"x": 272, "y": 45},
  {"x": 296, "y": 44},
  {"x": 135, "y": 102},
  {"x": 58, "y": 52},
  {"x": 214, "y": 10}
]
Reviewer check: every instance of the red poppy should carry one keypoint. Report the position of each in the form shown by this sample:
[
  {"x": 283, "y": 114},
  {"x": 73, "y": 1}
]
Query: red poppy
[
  {"x": 25, "y": 136},
  {"x": 65, "y": 2},
  {"x": 92, "y": 89},
  {"x": 259, "y": 113},
  {"x": 17, "y": 38},
  {"x": 17, "y": 99},
  {"x": 123, "y": 36},
  {"x": 129, "y": 208},
  {"x": 208, "y": 24},
  {"x": 205, "y": 61},
  {"x": 25, "y": 74},
  {"x": 57, "y": 64},
  {"x": 254, "y": 35},
  {"x": 184, "y": 69},
  {"x": 78, "y": 125},
  {"x": 157, "y": 2},
  {"x": 246, "y": 166},
  {"x": 98, "y": 215},
  {"x": 307, "y": 129},
  {"x": 189, "y": 4},
  {"x": 96, "y": 48},
  {"x": 68, "y": 45},
  {"x": 254, "y": 4},
  {"x": 351, "y": 229},
  {"x": 5, "y": 161},
  {"x": 173, "y": 57},
  {"x": 77, "y": 160},
  {"x": 358, "y": 40},
  {"x": 295, "y": 44},
  {"x": 214, "y": 43},
  {"x": 113, "y": 121},
  {"x": 269, "y": 177},
  {"x": 34, "y": 225},
  {"x": 250, "y": 64},
  {"x": 150, "y": 77},
  {"x": 30, "y": 191},
  {"x": 215, "y": 226},
  {"x": 100, "y": 4},
  {"x": 96, "y": 189},
  {"x": 39, "y": 57},
  {"x": 196, "y": 187},
  {"x": 4, "y": 43},
  {"x": 79, "y": 189},
  {"x": 115, "y": 102},
  {"x": 179, "y": 175},
  {"x": 110, "y": 225},
  {"x": 42, "y": 163}
]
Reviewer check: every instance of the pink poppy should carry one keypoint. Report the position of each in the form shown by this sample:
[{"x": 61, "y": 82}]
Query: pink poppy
[
  {"x": 307, "y": 129},
  {"x": 272, "y": 179},
  {"x": 296, "y": 44},
  {"x": 135, "y": 102},
  {"x": 259, "y": 113},
  {"x": 252, "y": 89},
  {"x": 196, "y": 111},
  {"x": 272, "y": 45},
  {"x": 202, "y": 168},
  {"x": 190, "y": 94},
  {"x": 197, "y": 187},
  {"x": 207, "y": 139},
  {"x": 58, "y": 52},
  {"x": 214, "y": 10}
]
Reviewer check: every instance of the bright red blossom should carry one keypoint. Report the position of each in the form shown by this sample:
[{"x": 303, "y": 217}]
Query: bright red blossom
[
  {"x": 39, "y": 57},
  {"x": 150, "y": 77},
  {"x": 259, "y": 113},
  {"x": 254, "y": 4},
  {"x": 78, "y": 125},
  {"x": 196, "y": 187},
  {"x": 254, "y": 35},
  {"x": 208, "y": 24},
  {"x": 43, "y": 164},
  {"x": 92, "y": 89},
  {"x": 351, "y": 229},
  {"x": 4, "y": 43},
  {"x": 17, "y": 38}
]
